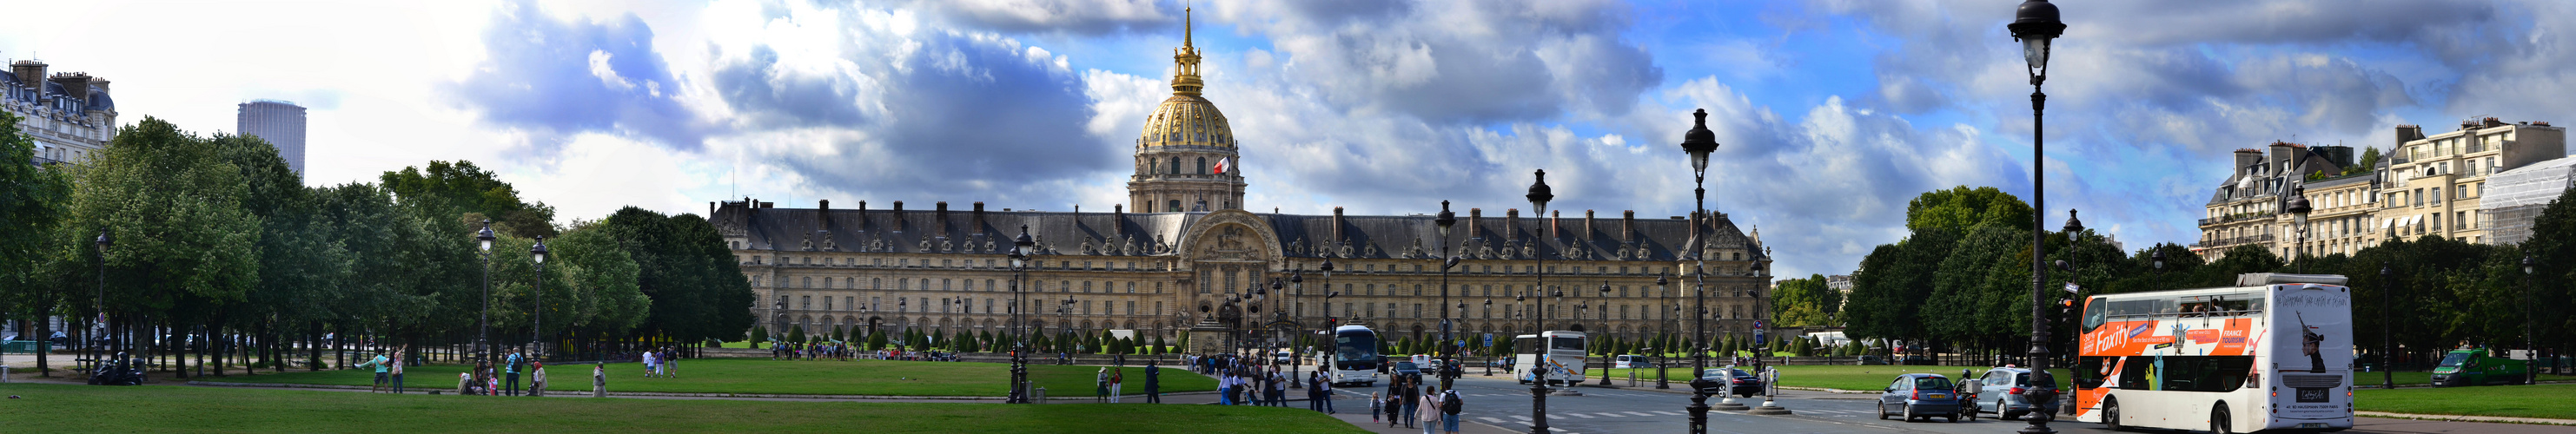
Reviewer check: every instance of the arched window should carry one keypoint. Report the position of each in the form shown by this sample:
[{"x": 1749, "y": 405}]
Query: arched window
[
  {"x": 1176, "y": 170},
  {"x": 1203, "y": 167},
  {"x": 1176, "y": 206}
]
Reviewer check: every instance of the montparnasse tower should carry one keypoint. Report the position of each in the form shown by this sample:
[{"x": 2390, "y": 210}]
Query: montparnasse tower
[{"x": 1185, "y": 159}]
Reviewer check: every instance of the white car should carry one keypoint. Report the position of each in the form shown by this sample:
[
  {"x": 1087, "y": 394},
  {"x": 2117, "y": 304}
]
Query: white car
[{"x": 1632, "y": 362}]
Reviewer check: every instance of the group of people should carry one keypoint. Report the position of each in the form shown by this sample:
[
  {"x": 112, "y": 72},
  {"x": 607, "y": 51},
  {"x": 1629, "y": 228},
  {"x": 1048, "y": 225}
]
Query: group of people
[
  {"x": 844, "y": 351},
  {"x": 1407, "y": 401},
  {"x": 661, "y": 362},
  {"x": 383, "y": 363},
  {"x": 484, "y": 380},
  {"x": 1111, "y": 379}
]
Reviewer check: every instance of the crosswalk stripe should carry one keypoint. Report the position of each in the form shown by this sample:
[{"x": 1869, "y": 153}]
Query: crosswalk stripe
[
  {"x": 1520, "y": 417},
  {"x": 1585, "y": 416},
  {"x": 1667, "y": 413},
  {"x": 1614, "y": 415},
  {"x": 1555, "y": 417},
  {"x": 1640, "y": 414}
]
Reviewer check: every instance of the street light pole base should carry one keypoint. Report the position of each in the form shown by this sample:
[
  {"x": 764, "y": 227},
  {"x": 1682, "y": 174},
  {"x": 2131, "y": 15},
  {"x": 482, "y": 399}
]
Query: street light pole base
[
  {"x": 1768, "y": 410},
  {"x": 1565, "y": 391},
  {"x": 1729, "y": 404}
]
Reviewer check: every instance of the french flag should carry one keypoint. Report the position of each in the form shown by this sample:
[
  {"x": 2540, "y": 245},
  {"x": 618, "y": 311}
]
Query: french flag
[{"x": 1220, "y": 166}]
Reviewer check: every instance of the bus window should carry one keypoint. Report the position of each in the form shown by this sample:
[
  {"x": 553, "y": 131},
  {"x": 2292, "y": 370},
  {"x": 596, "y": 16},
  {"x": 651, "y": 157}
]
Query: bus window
[
  {"x": 1571, "y": 344},
  {"x": 2094, "y": 314},
  {"x": 2206, "y": 373},
  {"x": 2136, "y": 373}
]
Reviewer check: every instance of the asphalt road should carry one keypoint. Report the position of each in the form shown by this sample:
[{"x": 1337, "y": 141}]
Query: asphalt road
[{"x": 1503, "y": 403}]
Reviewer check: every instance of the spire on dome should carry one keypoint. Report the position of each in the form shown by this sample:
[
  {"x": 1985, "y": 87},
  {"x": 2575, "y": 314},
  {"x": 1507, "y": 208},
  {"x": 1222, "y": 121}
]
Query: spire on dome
[{"x": 1185, "y": 79}]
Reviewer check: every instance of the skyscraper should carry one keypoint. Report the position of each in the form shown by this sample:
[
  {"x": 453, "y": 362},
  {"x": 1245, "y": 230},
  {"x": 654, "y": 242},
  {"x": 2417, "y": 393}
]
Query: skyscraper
[{"x": 279, "y": 122}]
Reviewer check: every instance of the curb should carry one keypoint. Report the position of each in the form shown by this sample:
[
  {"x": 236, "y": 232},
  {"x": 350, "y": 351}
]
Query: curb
[
  {"x": 2460, "y": 418},
  {"x": 700, "y": 395}
]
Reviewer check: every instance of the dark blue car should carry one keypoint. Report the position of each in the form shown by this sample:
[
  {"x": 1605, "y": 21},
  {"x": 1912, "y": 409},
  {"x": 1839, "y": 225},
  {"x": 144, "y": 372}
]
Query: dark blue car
[{"x": 1920, "y": 396}]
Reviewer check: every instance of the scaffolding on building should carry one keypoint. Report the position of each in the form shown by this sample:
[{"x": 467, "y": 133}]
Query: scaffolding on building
[{"x": 2515, "y": 198}]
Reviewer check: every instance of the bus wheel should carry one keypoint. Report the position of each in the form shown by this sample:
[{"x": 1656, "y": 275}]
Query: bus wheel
[
  {"x": 2111, "y": 414},
  {"x": 2218, "y": 420}
]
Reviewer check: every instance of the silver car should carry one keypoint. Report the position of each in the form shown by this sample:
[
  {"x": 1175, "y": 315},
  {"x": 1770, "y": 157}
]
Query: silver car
[{"x": 2000, "y": 393}]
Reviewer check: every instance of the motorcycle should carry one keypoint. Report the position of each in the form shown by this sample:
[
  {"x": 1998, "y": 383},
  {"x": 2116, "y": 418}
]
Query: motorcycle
[{"x": 119, "y": 371}]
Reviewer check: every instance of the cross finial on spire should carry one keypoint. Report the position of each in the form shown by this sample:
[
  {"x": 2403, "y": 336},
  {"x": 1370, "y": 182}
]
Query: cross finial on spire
[{"x": 1187, "y": 27}]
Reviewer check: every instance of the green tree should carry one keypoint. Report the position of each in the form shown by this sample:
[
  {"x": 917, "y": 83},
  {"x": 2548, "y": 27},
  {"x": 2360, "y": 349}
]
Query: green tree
[
  {"x": 759, "y": 334},
  {"x": 454, "y": 189},
  {"x": 32, "y": 199},
  {"x": 2369, "y": 160},
  {"x": 175, "y": 209},
  {"x": 1961, "y": 209}
]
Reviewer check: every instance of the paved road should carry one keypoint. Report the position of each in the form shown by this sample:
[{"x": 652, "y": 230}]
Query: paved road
[{"x": 1505, "y": 404}]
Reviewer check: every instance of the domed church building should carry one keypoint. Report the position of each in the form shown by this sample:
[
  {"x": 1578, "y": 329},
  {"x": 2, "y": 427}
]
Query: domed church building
[{"x": 1184, "y": 252}]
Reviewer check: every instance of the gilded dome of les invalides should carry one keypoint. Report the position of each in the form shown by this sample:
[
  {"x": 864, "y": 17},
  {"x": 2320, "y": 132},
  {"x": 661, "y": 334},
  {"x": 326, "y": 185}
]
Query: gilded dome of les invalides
[{"x": 1186, "y": 119}]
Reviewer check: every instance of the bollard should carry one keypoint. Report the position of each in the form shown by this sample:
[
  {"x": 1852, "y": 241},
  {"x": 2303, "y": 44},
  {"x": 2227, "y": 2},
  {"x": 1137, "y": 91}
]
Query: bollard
[
  {"x": 1038, "y": 397},
  {"x": 4, "y": 374},
  {"x": 1698, "y": 413},
  {"x": 1770, "y": 389}
]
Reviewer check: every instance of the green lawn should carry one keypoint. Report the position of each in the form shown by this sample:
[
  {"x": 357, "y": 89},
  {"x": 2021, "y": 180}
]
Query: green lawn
[
  {"x": 180, "y": 409},
  {"x": 799, "y": 377},
  {"x": 2542, "y": 401}
]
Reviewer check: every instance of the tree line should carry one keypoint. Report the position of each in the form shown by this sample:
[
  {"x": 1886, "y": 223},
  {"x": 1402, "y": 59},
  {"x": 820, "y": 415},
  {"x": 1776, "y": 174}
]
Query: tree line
[
  {"x": 173, "y": 243},
  {"x": 1960, "y": 282}
]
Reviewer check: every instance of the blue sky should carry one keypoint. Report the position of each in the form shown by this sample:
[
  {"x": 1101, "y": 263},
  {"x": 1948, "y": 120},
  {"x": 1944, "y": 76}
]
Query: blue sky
[{"x": 1832, "y": 113}]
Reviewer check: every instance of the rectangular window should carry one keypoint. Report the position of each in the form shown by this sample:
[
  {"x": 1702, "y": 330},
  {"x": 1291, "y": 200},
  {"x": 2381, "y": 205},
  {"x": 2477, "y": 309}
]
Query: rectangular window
[
  {"x": 805, "y": 302},
  {"x": 827, "y": 303},
  {"x": 1158, "y": 308},
  {"x": 1131, "y": 308}
]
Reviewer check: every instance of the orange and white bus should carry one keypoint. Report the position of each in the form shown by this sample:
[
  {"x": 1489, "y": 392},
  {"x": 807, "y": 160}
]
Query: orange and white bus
[{"x": 2272, "y": 353}]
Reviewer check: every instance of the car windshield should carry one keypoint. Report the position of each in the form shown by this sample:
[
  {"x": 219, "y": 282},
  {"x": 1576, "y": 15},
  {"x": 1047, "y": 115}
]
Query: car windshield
[
  {"x": 1931, "y": 383},
  {"x": 1406, "y": 365},
  {"x": 2455, "y": 359}
]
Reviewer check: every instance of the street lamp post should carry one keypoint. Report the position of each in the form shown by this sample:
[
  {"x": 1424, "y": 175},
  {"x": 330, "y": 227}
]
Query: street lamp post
[
  {"x": 1612, "y": 357},
  {"x": 2036, "y": 25},
  {"x": 1297, "y": 310},
  {"x": 2298, "y": 208},
  {"x": 538, "y": 318},
  {"x": 104, "y": 241},
  {"x": 1539, "y": 195},
  {"x": 1445, "y": 220},
  {"x": 1699, "y": 142},
  {"x": 1019, "y": 256},
  {"x": 483, "y": 340},
  {"x": 2387, "y": 316},
  {"x": 2530, "y": 376},
  {"x": 2160, "y": 267},
  {"x": 1661, "y": 382}
]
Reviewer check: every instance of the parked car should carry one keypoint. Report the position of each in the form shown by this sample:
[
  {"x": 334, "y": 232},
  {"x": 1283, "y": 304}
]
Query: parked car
[
  {"x": 1284, "y": 357},
  {"x": 1919, "y": 396},
  {"x": 1631, "y": 361},
  {"x": 1916, "y": 361},
  {"x": 1728, "y": 380},
  {"x": 1872, "y": 360},
  {"x": 2002, "y": 387},
  {"x": 1408, "y": 369}
]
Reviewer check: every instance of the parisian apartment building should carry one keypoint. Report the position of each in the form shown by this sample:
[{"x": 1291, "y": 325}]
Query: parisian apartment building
[
  {"x": 2425, "y": 184},
  {"x": 68, "y": 114}
]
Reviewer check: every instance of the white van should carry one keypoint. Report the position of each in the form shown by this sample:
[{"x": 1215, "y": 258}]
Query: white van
[{"x": 1632, "y": 361}]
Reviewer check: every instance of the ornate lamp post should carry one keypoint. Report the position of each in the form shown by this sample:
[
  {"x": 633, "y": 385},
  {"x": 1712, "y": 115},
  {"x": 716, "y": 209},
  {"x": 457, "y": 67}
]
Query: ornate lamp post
[
  {"x": 1539, "y": 195},
  {"x": 2035, "y": 25},
  {"x": 2388, "y": 346},
  {"x": 1605, "y": 327},
  {"x": 1019, "y": 256},
  {"x": 2160, "y": 268},
  {"x": 1297, "y": 353},
  {"x": 482, "y": 341},
  {"x": 1444, "y": 222},
  {"x": 2298, "y": 209},
  {"x": 537, "y": 319},
  {"x": 1661, "y": 382}
]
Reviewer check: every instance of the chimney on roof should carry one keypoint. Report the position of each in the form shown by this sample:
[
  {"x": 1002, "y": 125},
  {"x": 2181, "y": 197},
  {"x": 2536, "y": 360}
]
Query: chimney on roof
[
  {"x": 2490, "y": 122},
  {"x": 979, "y": 218},
  {"x": 1511, "y": 223},
  {"x": 711, "y": 210},
  {"x": 823, "y": 214},
  {"x": 863, "y": 216},
  {"x": 1628, "y": 226},
  {"x": 767, "y": 204},
  {"x": 943, "y": 217},
  {"x": 31, "y": 73},
  {"x": 2409, "y": 133},
  {"x": 1588, "y": 228},
  {"x": 1553, "y": 224},
  {"x": 1117, "y": 221},
  {"x": 1474, "y": 215},
  {"x": 1337, "y": 224},
  {"x": 898, "y": 207},
  {"x": 2246, "y": 161}
]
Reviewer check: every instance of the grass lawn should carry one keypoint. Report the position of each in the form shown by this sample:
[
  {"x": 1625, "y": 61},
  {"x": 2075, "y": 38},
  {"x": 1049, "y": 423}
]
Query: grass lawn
[
  {"x": 800, "y": 377},
  {"x": 2542, "y": 401},
  {"x": 180, "y": 409}
]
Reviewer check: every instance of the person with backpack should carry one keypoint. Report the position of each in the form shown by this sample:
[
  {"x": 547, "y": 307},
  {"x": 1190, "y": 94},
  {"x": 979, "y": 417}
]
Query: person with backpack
[
  {"x": 1450, "y": 406},
  {"x": 511, "y": 370}
]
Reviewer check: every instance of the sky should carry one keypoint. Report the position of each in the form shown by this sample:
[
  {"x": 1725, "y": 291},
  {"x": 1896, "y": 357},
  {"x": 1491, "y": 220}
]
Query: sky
[{"x": 1831, "y": 114}]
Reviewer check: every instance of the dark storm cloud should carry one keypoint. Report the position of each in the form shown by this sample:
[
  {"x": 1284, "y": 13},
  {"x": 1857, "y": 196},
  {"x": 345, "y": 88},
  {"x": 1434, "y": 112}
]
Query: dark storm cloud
[{"x": 553, "y": 78}]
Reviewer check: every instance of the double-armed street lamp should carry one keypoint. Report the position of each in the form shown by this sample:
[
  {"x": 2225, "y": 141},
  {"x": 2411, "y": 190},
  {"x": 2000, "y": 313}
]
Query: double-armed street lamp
[
  {"x": 2036, "y": 25},
  {"x": 1019, "y": 256}
]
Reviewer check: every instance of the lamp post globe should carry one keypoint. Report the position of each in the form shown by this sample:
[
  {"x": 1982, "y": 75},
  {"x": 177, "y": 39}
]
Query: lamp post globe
[
  {"x": 2298, "y": 208},
  {"x": 2036, "y": 26}
]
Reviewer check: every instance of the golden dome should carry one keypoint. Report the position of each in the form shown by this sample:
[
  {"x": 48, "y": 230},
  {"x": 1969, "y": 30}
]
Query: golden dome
[{"x": 1186, "y": 120}]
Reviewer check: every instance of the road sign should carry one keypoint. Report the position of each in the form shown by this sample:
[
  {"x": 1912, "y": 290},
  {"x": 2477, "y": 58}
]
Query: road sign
[
  {"x": 1489, "y": 339},
  {"x": 2070, "y": 287},
  {"x": 1757, "y": 326}
]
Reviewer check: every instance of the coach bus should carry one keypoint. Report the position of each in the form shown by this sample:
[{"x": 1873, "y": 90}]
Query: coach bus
[
  {"x": 1559, "y": 360},
  {"x": 2272, "y": 353},
  {"x": 1354, "y": 359}
]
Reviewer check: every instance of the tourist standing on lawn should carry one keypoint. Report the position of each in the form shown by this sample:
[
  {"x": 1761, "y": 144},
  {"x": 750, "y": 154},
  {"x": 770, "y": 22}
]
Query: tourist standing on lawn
[
  {"x": 670, "y": 363},
  {"x": 1116, "y": 377},
  {"x": 397, "y": 368},
  {"x": 379, "y": 361},
  {"x": 599, "y": 380},
  {"x": 537, "y": 378},
  {"x": 1153, "y": 383},
  {"x": 648, "y": 364},
  {"x": 1100, "y": 386},
  {"x": 511, "y": 368}
]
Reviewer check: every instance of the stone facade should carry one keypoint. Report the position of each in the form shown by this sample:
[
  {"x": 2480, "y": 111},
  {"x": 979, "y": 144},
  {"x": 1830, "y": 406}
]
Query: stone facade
[
  {"x": 2427, "y": 185},
  {"x": 69, "y": 114}
]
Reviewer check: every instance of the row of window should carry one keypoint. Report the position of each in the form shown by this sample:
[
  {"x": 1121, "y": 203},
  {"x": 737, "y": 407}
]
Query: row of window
[
  {"x": 1640, "y": 312},
  {"x": 967, "y": 305},
  {"x": 1131, "y": 265}
]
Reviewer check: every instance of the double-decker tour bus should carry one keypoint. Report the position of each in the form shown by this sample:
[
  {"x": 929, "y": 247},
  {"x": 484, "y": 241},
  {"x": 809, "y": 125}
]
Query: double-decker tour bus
[
  {"x": 1559, "y": 360},
  {"x": 1354, "y": 359},
  {"x": 2272, "y": 353}
]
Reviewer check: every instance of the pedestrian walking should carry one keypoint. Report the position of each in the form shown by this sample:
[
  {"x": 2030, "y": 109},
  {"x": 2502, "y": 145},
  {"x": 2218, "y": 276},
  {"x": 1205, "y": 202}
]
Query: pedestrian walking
[
  {"x": 671, "y": 363},
  {"x": 599, "y": 380},
  {"x": 1153, "y": 383},
  {"x": 1450, "y": 406},
  {"x": 1327, "y": 385},
  {"x": 512, "y": 370},
  {"x": 1314, "y": 393},
  {"x": 1116, "y": 377},
  {"x": 379, "y": 362},
  {"x": 1100, "y": 386},
  {"x": 1377, "y": 405},
  {"x": 1430, "y": 414},
  {"x": 1394, "y": 408},
  {"x": 1224, "y": 389},
  {"x": 1412, "y": 397},
  {"x": 649, "y": 364}
]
